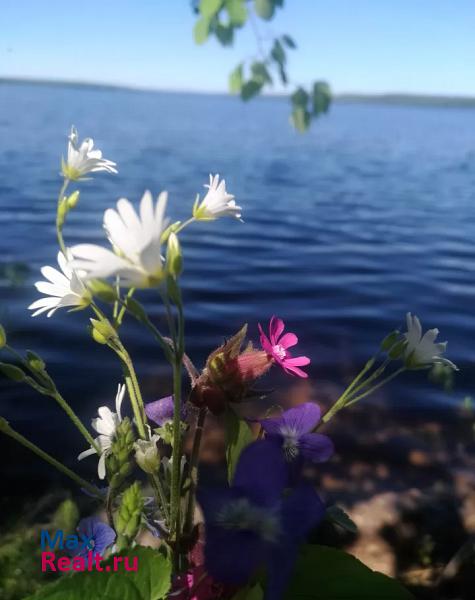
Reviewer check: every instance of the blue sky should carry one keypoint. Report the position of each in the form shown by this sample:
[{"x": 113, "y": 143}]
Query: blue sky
[{"x": 421, "y": 46}]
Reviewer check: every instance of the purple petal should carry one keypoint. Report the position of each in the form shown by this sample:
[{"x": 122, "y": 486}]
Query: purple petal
[
  {"x": 316, "y": 447},
  {"x": 302, "y": 418},
  {"x": 261, "y": 473},
  {"x": 295, "y": 371},
  {"x": 297, "y": 361},
  {"x": 232, "y": 556},
  {"x": 104, "y": 537},
  {"x": 161, "y": 411},
  {"x": 265, "y": 343},
  {"x": 272, "y": 426},
  {"x": 302, "y": 511}
]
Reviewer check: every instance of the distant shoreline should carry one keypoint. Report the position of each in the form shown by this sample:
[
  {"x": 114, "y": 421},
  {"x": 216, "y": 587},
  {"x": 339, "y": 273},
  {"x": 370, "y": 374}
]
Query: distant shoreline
[{"x": 401, "y": 99}]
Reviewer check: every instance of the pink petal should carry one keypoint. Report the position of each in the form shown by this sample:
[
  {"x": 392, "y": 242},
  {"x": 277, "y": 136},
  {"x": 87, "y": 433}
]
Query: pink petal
[
  {"x": 288, "y": 340},
  {"x": 276, "y": 327},
  {"x": 295, "y": 371},
  {"x": 297, "y": 361},
  {"x": 265, "y": 343}
]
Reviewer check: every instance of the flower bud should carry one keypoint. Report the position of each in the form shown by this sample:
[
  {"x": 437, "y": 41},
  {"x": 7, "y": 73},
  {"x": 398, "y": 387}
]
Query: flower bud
[
  {"x": 103, "y": 332},
  {"x": 12, "y": 372},
  {"x": 146, "y": 454},
  {"x": 62, "y": 211},
  {"x": 390, "y": 340},
  {"x": 73, "y": 199},
  {"x": 397, "y": 350},
  {"x": 129, "y": 515},
  {"x": 174, "y": 256}
]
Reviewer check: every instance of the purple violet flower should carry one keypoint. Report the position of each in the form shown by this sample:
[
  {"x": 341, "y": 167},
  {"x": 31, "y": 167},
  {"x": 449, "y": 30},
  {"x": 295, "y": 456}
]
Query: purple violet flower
[
  {"x": 292, "y": 431},
  {"x": 161, "y": 411},
  {"x": 101, "y": 535},
  {"x": 249, "y": 525}
]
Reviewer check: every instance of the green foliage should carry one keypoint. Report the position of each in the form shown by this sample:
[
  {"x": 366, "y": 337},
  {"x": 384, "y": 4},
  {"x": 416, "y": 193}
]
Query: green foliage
[
  {"x": 151, "y": 581},
  {"x": 201, "y": 30},
  {"x": 238, "y": 436},
  {"x": 235, "y": 80},
  {"x": 222, "y": 18},
  {"x": 324, "y": 573},
  {"x": 66, "y": 516},
  {"x": 237, "y": 12},
  {"x": 265, "y": 9},
  {"x": 253, "y": 592},
  {"x": 3, "y": 337}
]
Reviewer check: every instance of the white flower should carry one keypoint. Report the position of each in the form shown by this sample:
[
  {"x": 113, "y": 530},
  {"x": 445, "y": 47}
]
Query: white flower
[
  {"x": 82, "y": 159},
  {"x": 106, "y": 426},
  {"x": 63, "y": 288},
  {"x": 146, "y": 454},
  {"x": 136, "y": 240},
  {"x": 217, "y": 202},
  {"x": 422, "y": 350}
]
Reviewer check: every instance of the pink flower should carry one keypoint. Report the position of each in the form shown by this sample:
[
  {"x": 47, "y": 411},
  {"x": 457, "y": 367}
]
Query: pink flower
[{"x": 276, "y": 345}]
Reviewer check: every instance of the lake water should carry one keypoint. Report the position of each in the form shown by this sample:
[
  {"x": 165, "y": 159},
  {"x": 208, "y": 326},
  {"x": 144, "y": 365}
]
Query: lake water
[{"x": 368, "y": 216}]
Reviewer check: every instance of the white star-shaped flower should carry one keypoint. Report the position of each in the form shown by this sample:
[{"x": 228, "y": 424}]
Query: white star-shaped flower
[
  {"x": 136, "y": 240},
  {"x": 82, "y": 159},
  {"x": 217, "y": 202},
  {"x": 106, "y": 426},
  {"x": 63, "y": 288},
  {"x": 423, "y": 350}
]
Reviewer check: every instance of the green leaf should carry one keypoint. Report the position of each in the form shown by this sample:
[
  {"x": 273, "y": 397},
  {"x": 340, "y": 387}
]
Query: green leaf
[
  {"x": 288, "y": 41},
  {"x": 238, "y": 436},
  {"x": 338, "y": 515},
  {"x": 201, "y": 30},
  {"x": 3, "y": 337},
  {"x": 264, "y": 9},
  {"x": 300, "y": 97},
  {"x": 324, "y": 573},
  {"x": 151, "y": 581},
  {"x": 225, "y": 34},
  {"x": 260, "y": 73},
  {"x": 300, "y": 119},
  {"x": 278, "y": 53},
  {"x": 12, "y": 372},
  {"x": 237, "y": 12},
  {"x": 210, "y": 8},
  {"x": 235, "y": 80},
  {"x": 66, "y": 516},
  {"x": 250, "y": 89},
  {"x": 321, "y": 97}
]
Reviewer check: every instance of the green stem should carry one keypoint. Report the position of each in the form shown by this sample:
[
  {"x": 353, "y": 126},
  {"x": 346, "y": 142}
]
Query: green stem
[
  {"x": 59, "y": 219},
  {"x": 342, "y": 399},
  {"x": 123, "y": 307},
  {"x": 175, "y": 516},
  {"x": 185, "y": 224},
  {"x": 158, "y": 487},
  {"x": 46, "y": 386},
  {"x": 75, "y": 419},
  {"x": 193, "y": 470},
  {"x": 7, "y": 430},
  {"x": 376, "y": 387}
]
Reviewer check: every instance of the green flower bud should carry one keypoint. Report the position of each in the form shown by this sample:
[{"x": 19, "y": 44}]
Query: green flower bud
[
  {"x": 103, "y": 332},
  {"x": 73, "y": 200},
  {"x": 397, "y": 350},
  {"x": 170, "y": 229},
  {"x": 12, "y": 372},
  {"x": 129, "y": 515},
  {"x": 146, "y": 454},
  {"x": 3, "y": 337},
  {"x": 390, "y": 340},
  {"x": 66, "y": 516},
  {"x": 35, "y": 362},
  {"x": 174, "y": 256}
]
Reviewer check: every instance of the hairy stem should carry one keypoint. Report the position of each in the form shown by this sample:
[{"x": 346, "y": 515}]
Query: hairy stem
[{"x": 60, "y": 220}]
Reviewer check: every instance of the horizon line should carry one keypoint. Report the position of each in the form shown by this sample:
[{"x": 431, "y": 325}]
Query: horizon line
[{"x": 387, "y": 96}]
